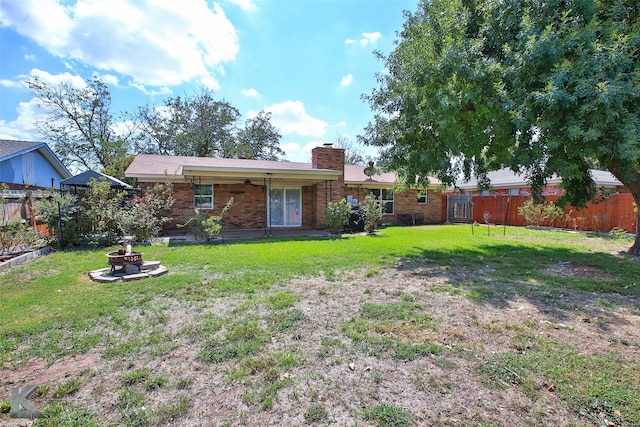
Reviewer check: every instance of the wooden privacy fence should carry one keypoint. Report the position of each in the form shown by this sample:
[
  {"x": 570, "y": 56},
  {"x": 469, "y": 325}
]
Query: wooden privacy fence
[{"x": 615, "y": 210}]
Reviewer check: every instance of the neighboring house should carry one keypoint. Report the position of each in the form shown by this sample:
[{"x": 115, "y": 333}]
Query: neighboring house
[
  {"x": 26, "y": 168},
  {"x": 32, "y": 165},
  {"x": 269, "y": 194},
  {"x": 507, "y": 182}
]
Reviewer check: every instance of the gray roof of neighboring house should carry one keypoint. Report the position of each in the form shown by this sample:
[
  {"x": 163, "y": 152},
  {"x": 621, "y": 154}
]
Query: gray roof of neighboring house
[
  {"x": 504, "y": 178},
  {"x": 10, "y": 148},
  {"x": 82, "y": 180}
]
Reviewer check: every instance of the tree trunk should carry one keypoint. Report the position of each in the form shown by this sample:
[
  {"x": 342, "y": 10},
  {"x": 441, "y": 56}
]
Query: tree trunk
[
  {"x": 633, "y": 185},
  {"x": 635, "y": 249}
]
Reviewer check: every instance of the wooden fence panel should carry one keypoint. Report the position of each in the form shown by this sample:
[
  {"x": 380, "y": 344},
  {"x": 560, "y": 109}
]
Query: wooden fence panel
[{"x": 615, "y": 210}]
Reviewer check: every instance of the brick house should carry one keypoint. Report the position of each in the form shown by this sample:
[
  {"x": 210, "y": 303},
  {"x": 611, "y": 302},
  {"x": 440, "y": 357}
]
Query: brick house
[{"x": 272, "y": 194}]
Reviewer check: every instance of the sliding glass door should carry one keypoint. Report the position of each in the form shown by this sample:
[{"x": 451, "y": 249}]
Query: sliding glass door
[{"x": 285, "y": 207}]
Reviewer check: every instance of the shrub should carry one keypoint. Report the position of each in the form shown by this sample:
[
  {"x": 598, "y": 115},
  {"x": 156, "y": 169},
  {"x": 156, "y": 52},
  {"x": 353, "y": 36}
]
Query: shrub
[
  {"x": 206, "y": 228},
  {"x": 539, "y": 213},
  {"x": 103, "y": 208},
  {"x": 337, "y": 215},
  {"x": 56, "y": 211},
  {"x": 15, "y": 235},
  {"x": 142, "y": 217},
  {"x": 371, "y": 212}
]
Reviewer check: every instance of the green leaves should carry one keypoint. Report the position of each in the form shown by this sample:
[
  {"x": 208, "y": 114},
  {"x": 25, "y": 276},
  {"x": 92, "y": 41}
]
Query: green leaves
[{"x": 544, "y": 88}]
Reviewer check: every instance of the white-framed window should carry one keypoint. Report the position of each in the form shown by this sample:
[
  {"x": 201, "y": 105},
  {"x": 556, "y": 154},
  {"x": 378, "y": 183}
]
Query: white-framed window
[
  {"x": 385, "y": 196},
  {"x": 203, "y": 196},
  {"x": 285, "y": 207},
  {"x": 422, "y": 197},
  {"x": 513, "y": 191}
]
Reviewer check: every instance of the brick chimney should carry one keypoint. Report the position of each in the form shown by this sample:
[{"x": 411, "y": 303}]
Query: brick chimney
[{"x": 327, "y": 157}]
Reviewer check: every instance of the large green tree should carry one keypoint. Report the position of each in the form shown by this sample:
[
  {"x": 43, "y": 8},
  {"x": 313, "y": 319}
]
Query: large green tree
[
  {"x": 259, "y": 139},
  {"x": 543, "y": 87},
  {"x": 79, "y": 124},
  {"x": 200, "y": 125}
]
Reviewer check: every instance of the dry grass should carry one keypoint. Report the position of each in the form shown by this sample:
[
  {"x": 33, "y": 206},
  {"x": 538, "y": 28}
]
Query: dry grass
[{"x": 313, "y": 365}]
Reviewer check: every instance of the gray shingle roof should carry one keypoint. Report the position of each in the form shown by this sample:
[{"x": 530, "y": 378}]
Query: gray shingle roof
[{"x": 9, "y": 147}]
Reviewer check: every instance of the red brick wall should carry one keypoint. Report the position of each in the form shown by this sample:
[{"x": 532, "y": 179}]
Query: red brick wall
[
  {"x": 406, "y": 202},
  {"x": 331, "y": 191},
  {"x": 248, "y": 208},
  {"x": 247, "y": 211}
]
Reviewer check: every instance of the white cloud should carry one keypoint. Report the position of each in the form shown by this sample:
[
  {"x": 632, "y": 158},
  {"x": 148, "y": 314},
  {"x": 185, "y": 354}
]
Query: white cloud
[
  {"x": 244, "y": 4},
  {"x": 370, "y": 37},
  {"x": 110, "y": 79},
  {"x": 251, "y": 93},
  {"x": 346, "y": 80},
  {"x": 367, "y": 38},
  {"x": 306, "y": 150},
  {"x": 210, "y": 82},
  {"x": 156, "y": 42},
  {"x": 341, "y": 124},
  {"x": 150, "y": 92},
  {"x": 10, "y": 83},
  {"x": 290, "y": 117},
  {"x": 56, "y": 79},
  {"x": 291, "y": 149},
  {"x": 30, "y": 57},
  {"x": 23, "y": 127}
]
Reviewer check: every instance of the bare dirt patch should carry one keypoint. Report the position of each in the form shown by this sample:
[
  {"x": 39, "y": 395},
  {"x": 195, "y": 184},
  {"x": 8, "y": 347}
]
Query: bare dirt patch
[{"x": 567, "y": 269}]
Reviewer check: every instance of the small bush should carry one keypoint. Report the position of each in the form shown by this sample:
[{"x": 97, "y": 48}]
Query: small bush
[
  {"x": 539, "y": 213},
  {"x": 15, "y": 235},
  {"x": 56, "y": 210},
  {"x": 206, "y": 228},
  {"x": 337, "y": 216},
  {"x": 371, "y": 210}
]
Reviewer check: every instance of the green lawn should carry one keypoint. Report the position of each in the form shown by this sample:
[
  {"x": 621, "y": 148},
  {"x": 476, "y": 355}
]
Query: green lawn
[{"x": 49, "y": 309}]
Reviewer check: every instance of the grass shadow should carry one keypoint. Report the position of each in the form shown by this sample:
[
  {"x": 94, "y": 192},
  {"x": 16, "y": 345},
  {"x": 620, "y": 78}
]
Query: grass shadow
[{"x": 558, "y": 281}]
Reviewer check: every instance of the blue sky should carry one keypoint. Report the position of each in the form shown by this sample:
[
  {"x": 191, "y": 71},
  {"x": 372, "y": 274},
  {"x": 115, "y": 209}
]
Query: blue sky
[{"x": 306, "y": 61}]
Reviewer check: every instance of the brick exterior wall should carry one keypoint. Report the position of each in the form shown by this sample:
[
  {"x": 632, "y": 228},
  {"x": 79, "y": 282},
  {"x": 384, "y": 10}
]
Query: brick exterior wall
[{"x": 406, "y": 203}]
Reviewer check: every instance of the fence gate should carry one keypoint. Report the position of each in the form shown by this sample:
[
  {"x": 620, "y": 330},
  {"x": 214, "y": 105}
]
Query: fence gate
[{"x": 459, "y": 208}]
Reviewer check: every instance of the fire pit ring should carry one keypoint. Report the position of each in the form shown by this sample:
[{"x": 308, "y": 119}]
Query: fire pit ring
[{"x": 123, "y": 259}]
